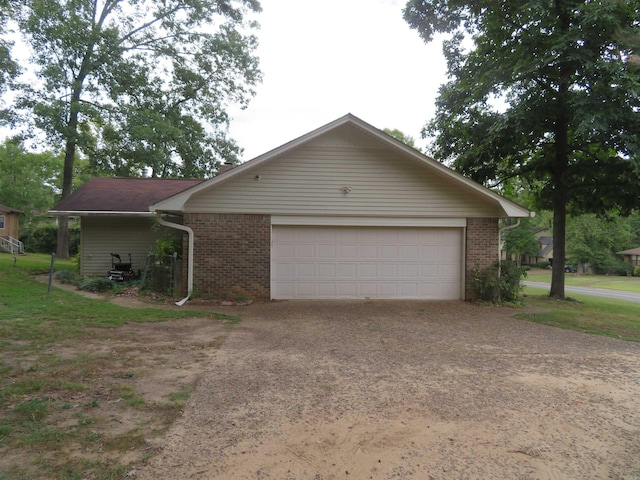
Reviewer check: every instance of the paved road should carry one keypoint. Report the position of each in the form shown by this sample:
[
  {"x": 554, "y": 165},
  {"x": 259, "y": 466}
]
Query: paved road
[{"x": 596, "y": 292}]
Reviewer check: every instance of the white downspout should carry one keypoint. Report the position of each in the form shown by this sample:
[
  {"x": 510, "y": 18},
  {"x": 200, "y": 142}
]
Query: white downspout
[{"x": 184, "y": 228}]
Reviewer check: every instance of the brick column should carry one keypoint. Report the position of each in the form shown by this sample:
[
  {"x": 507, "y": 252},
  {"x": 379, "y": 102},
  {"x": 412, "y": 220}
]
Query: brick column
[
  {"x": 232, "y": 255},
  {"x": 482, "y": 249}
]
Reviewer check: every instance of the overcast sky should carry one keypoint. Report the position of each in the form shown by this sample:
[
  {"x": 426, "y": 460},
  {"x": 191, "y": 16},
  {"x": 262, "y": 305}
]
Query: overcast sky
[{"x": 322, "y": 59}]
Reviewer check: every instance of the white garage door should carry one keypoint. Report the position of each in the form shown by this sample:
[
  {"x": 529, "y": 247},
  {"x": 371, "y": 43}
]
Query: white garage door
[{"x": 366, "y": 262}]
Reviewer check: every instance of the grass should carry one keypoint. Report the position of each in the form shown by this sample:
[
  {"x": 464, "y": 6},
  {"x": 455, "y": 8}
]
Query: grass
[
  {"x": 52, "y": 393},
  {"x": 588, "y": 314},
  {"x": 626, "y": 284}
]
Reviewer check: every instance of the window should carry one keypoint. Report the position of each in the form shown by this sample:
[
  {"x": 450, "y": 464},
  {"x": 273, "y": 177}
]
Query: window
[{"x": 1, "y": 222}]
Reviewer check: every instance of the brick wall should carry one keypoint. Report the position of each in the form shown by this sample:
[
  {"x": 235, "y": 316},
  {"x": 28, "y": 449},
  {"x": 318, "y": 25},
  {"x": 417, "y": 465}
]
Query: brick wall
[
  {"x": 482, "y": 249},
  {"x": 231, "y": 254}
]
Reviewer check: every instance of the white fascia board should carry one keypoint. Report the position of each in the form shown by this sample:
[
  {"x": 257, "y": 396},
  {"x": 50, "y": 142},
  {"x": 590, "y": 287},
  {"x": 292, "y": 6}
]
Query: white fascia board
[
  {"x": 91, "y": 213},
  {"x": 368, "y": 221}
]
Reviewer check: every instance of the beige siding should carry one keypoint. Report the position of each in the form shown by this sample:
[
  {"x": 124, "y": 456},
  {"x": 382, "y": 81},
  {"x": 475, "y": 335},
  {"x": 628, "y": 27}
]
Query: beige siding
[
  {"x": 101, "y": 236},
  {"x": 311, "y": 181},
  {"x": 10, "y": 225}
]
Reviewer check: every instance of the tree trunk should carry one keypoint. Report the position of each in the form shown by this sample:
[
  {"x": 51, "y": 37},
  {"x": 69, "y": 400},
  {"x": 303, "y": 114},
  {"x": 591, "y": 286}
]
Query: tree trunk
[
  {"x": 62, "y": 250},
  {"x": 559, "y": 250}
]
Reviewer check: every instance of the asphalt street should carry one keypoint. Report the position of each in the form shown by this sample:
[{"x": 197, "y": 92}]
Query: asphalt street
[{"x": 596, "y": 292}]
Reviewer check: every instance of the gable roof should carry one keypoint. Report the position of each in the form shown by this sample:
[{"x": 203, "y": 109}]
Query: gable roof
[
  {"x": 176, "y": 203},
  {"x": 120, "y": 196},
  {"x": 5, "y": 209}
]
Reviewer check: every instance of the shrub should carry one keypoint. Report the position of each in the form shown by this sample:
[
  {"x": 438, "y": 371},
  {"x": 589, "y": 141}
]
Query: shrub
[
  {"x": 636, "y": 271},
  {"x": 68, "y": 277},
  {"x": 499, "y": 282},
  {"x": 44, "y": 238},
  {"x": 542, "y": 264},
  {"x": 96, "y": 285}
]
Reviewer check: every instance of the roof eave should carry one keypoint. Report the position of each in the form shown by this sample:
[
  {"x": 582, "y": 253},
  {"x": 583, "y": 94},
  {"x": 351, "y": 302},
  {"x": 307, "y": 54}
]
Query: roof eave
[{"x": 91, "y": 213}]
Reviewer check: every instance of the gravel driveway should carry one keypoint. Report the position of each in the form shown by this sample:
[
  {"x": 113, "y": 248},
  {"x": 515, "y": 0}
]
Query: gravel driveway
[{"x": 407, "y": 390}]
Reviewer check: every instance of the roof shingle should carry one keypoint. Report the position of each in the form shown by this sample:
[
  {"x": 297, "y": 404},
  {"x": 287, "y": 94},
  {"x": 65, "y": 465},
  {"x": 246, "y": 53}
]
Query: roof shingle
[{"x": 114, "y": 194}]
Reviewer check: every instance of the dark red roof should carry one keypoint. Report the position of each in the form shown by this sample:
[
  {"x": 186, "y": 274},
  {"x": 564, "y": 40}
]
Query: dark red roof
[
  {"x": 113, "y": 194},
  {"x": 5, "y": 209}
]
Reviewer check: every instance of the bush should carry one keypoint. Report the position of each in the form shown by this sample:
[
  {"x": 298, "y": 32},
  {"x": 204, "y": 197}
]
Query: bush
[
  {"x": 44, "y": 238},
  {"x": 542, "y": 264},
  {"x": 68, "y": 277},
  {"x": 96, "y": 285},
  {"x": 636, "y": 271},
  {"x": 609, "y": 266},
  {"x": 505, "y": 288}
]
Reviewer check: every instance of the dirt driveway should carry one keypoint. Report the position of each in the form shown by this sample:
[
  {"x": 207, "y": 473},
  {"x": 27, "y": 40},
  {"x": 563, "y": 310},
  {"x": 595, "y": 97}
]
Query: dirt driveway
[{"x": 407, "y": 390}]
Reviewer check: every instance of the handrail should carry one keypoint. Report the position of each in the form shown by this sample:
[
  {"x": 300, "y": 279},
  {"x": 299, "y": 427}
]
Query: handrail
[{"x": 11, "y": 245}]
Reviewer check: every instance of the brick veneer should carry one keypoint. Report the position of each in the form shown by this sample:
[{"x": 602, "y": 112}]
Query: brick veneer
[
  {"x": 232, "y": 254},
  {"x": 482, "y": 249}
]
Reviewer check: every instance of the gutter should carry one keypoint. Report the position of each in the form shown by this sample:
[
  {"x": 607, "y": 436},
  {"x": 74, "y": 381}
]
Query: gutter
[
  {"x": 81, "y": 213},
  {"x": 183, "y": 228}
]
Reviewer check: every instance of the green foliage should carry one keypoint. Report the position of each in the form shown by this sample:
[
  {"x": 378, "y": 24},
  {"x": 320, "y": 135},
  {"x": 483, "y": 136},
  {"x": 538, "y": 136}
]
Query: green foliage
[
  {"x": 136, "y": 84},
  {"x": 499, "y": 282},
  {"x": 521, "y": 240},
  {"x": 542, "y": 93},
  {"x": 595, "y": 240},
  {"x": 636, "y": 271},
  {"x": 96, "y": 285},
  {"x": 43, "y": 238},
  {"x": 28, "y": 181},
  {"x": 404, "y": 138},
  {"x": 543, "y": 264},
  {"x": 166, "y": 246},
  {"x": 68, "y": 277}
]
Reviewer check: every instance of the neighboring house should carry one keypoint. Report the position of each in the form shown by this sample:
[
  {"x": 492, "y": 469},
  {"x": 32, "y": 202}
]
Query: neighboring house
[
  {"x": 631, "y": 256},
  {"x": 345, "y": 211},
  {"x": 9, "y": 230},
  {"x": 115, "y": 218},
  {"x": 545, "y": 244}
]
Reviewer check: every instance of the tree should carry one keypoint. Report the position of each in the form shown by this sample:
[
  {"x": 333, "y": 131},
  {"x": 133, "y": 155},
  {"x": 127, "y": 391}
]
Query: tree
[
  {"x": 521, "y": 240},
  {"x": 595, "y": 241},
  {"x": 139, "y": 83},
  {"x": 546, "y": 91},
  {"x": 8, "y": 66},
  {"x": 28, "y": 181},
  {"x": 403, "y": 137}
]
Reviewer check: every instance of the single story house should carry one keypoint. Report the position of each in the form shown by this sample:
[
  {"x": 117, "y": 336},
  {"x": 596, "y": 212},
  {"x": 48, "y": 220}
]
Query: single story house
[
  {"x": 631, "y": 256},
  {"x": 115, "y": 218},
  {"x": 9, "y": 230},
  {"x": 343, "y": 212}
]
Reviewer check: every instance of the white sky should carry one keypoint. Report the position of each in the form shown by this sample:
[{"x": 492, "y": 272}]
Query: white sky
[{"x": 322, "y": 59}]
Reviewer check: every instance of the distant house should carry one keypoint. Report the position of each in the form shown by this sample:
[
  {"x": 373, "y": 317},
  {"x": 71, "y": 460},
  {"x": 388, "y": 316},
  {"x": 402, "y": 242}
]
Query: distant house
[
  {"x": 115, "y": 218},
  {"x": 545, "y": 247},
  {"x": 631, "y": 256},
  {"x": 9, "y": 224}
]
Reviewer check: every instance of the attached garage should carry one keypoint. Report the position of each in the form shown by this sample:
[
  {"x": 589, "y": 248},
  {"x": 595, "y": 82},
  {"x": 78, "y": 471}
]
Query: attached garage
[
  {"x": 334, "y": 262},
  {"x": 343, "y": 212}
]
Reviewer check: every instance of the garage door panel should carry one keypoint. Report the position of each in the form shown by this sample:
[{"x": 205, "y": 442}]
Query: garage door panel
[{"x": 366, "y": 262}]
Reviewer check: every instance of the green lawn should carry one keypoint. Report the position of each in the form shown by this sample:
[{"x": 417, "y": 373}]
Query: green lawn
[
  {"x": 589, "y": 314},
  {"x": 627, "y": 284}
]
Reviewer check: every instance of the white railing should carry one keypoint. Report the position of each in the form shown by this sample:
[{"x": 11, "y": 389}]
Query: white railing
[{"x": 11, "y": 245}]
